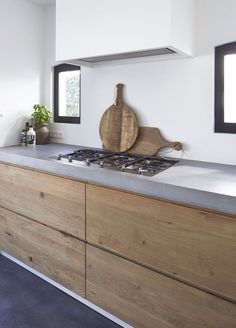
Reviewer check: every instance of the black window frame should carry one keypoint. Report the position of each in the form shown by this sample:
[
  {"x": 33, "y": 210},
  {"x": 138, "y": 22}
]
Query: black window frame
[
  {"x": 57, "y": 118},
  {"x": 220, "y": 125}
]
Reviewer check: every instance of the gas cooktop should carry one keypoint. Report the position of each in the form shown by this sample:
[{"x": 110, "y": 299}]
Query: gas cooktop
[{"x": 124, "y": 162}]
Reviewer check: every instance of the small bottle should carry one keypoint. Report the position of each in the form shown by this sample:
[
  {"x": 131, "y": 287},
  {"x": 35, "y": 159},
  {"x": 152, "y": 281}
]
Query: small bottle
[
  {"x": 26, "y": 130},
  {"x": 22, "y": 138},
  {"x": 31, "y": 137}
]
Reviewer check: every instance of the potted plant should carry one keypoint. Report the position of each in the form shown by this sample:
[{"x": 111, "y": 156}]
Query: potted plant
[{"x": 41, "y": 117}]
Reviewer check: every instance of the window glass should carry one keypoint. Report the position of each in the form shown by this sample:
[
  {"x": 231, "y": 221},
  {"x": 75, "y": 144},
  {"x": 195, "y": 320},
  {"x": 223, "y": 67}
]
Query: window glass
[
  {"x": 230, "y": 88},
  {"x": 67, "y": 93}
]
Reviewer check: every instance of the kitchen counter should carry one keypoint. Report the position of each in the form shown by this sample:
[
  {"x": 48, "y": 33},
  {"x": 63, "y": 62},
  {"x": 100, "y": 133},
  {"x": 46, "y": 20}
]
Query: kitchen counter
[{"x": 203, "y": 184}]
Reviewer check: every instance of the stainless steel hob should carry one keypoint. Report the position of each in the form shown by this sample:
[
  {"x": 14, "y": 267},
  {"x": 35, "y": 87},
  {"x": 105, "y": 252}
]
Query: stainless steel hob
[{"x": 124, "y": 162}]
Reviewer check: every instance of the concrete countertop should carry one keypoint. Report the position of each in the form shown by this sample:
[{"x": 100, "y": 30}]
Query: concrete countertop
[{"x": 203, "y": 184}]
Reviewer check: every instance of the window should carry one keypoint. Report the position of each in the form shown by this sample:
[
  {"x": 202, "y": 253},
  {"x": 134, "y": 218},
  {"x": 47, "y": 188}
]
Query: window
[
  {"x": 225, "y": 88},
  {"x": 67, "y": 93}
]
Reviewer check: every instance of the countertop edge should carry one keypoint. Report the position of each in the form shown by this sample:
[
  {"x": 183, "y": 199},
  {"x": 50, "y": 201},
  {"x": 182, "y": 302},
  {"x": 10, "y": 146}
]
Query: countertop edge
[{"x": 187, "y": 196}]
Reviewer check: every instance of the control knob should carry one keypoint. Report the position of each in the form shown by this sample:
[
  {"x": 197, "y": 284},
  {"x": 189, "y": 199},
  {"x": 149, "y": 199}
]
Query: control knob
[{"x": 123, "y": 168}]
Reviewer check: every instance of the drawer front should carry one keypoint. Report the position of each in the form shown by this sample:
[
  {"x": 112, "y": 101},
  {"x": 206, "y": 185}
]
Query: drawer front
[
  {"x": 147, "y": 299},
  {"x": 194, "y": 245},
  {"x": 56, "y": 255},
  {"x": 57, "y": 202}
]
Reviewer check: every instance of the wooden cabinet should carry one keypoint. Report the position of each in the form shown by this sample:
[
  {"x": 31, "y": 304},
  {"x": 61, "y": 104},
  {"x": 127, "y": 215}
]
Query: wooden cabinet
[
  {"x": 40, "y": 216},
  {"x": 56, "y": 255},
  {"x": 147, "y": 299},
  {"x": 150, "y": 262},
  {"x": 54, "y": 201},
  {"x": 190, "y": 244}
]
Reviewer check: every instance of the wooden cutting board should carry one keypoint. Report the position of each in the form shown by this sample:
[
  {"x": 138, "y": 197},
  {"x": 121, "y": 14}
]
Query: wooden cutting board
[
  {"x": 119, "y": 125},
  {"x": 150, "y": 141}
]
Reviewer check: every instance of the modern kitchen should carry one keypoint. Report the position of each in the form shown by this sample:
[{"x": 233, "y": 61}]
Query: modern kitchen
[{"x": 118, "y": 164}]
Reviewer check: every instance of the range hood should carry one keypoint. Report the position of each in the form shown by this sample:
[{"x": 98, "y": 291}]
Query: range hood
[
  {"x": 129, "y": 55},
  {"x": 116, "y": 31}
]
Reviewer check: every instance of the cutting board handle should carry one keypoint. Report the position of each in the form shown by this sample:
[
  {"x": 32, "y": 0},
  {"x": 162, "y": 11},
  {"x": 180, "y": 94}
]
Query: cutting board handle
[
  {"x": 175, "y": 145},
  {"x": 119, "y": 94}
]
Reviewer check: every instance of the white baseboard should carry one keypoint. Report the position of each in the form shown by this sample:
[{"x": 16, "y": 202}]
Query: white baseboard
[{"x": 69, "y": 292}]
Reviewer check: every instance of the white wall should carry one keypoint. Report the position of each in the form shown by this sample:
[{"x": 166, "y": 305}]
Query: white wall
[
  {"x": 49, "y": 54},
  {"x": 21, "y": 62},
  {"x": 176, "y": 96}
]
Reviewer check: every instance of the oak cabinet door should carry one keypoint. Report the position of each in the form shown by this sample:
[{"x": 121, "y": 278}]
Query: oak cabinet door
[
  {"x": 54, "y": 201},
  {"x": 56, "y": 255},
  {"x": 147, "y": 299},
  {"x": 191, "y": 244}
]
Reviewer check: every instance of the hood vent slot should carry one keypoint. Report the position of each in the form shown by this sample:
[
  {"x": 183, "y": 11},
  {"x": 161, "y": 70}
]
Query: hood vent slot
[{"x": 127, "y": 55}]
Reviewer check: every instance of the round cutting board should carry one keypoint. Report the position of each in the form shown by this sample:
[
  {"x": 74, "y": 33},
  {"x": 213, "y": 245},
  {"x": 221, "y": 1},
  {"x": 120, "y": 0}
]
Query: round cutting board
[{"x": 119, "y": 125}]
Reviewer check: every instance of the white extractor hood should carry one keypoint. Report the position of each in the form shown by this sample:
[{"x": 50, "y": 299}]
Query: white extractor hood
[
  {"x": 94, "y": 31},
  {"x": 129, "y": 55}
]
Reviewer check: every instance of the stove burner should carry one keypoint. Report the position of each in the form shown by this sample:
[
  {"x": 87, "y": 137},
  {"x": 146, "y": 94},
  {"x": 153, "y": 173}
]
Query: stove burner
[
  {"x": 84, "y": 155},
  {"x": 130, "y": 163},
  {"x": 149, "y": 165}
]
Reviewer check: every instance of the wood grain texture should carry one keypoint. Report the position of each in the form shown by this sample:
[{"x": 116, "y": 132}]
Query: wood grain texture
[
  {"x": 147, "y": 299},
  {"x": 54, "y": 201},
  {"x": 150, "y": 142},
  {"x": 56, "y": 255},
  {"x": 190, "y": 244},
  {"x": 119, "y": 126}
]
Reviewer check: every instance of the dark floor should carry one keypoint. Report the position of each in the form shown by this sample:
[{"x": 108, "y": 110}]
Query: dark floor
[{"x": 27, "y": 301}]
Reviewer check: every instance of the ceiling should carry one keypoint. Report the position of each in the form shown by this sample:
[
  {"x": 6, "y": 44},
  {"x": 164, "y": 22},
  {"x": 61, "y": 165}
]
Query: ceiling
[{"x": 43, "y": 2}]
